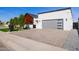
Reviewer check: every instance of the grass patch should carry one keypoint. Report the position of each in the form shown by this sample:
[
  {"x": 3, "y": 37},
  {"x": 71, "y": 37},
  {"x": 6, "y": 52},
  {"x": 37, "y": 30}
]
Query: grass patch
[
  {"x": 4, "y": 30},
  {"x": 7, "y": 30}
]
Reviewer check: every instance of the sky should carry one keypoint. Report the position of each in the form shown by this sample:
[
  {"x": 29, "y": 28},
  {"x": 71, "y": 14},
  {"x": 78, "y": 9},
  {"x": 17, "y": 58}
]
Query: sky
[{"x": 6, "y": 13}]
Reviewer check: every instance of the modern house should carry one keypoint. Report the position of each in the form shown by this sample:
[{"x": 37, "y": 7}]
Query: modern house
[{"x": 57, "y": 19}]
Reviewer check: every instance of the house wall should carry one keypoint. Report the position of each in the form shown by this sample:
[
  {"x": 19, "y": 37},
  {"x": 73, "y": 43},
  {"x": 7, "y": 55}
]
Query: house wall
[
  {"x": 38, "y": 24},
  {"x": 63, "y": 14}
]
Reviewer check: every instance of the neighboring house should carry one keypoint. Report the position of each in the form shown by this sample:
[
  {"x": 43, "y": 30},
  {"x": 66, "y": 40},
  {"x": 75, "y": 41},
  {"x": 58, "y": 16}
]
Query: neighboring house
[
  {"x": 29, "y": 19},
  {"x": 57, "y": 19}
]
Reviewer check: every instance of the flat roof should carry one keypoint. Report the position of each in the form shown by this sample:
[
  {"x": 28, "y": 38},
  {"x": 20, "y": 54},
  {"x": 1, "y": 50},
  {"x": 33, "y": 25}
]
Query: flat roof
[{"x": 55, "y": 10}]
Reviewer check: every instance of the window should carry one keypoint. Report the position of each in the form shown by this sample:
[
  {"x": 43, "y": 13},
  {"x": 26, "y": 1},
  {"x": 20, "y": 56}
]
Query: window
[{"x": 59, "y": 22}]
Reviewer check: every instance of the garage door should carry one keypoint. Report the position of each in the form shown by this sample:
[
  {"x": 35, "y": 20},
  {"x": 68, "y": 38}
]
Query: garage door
[{"x": 54, "y": 24}]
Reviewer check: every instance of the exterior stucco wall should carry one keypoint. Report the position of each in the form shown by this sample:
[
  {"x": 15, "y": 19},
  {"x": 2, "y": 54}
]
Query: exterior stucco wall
[
  {"x": 39, "y": 24},
  {"x": 68, "y": 21},
  {"x": 63, "y": 14}
]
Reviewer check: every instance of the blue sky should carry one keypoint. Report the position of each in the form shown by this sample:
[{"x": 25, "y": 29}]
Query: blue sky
[{"x": 6, "y": 13}]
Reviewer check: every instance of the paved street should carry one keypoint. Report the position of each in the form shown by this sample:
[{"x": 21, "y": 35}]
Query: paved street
[{"x": 1, "y": 27}]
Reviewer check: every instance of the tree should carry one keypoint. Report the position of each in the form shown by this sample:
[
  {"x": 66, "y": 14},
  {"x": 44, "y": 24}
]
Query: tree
[
  {"x": 18, "y": 22},
  {"x": 11, "y": 21},
  {"x": 21, "y": 20},
  {"x": 15, "y": 21}
]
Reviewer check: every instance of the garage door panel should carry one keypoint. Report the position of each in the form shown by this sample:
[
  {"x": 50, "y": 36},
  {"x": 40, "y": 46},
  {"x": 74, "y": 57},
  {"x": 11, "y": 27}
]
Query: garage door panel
[
  {"x": 50, "y": 24},
  {"x": 54, "y": 24}
]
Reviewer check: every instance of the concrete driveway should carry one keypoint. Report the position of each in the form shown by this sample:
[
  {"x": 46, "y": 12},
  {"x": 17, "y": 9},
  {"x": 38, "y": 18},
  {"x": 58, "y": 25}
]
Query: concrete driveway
[
  {"x": 3, "y": 47},
  {"x": 41, "y": 40},
  {"x": 17, "y": 43},
  {"x": 52, "y": 37},
  {"x": 59, "y": 38}
]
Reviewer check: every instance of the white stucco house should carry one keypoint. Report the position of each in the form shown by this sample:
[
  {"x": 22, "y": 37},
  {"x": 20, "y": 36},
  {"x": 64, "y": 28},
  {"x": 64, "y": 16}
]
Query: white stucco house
[{"x": 57, "y": 19}]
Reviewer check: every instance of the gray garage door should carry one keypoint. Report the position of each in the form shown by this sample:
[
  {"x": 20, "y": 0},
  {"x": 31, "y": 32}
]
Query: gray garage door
[{"x": 54, "y": 24}]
